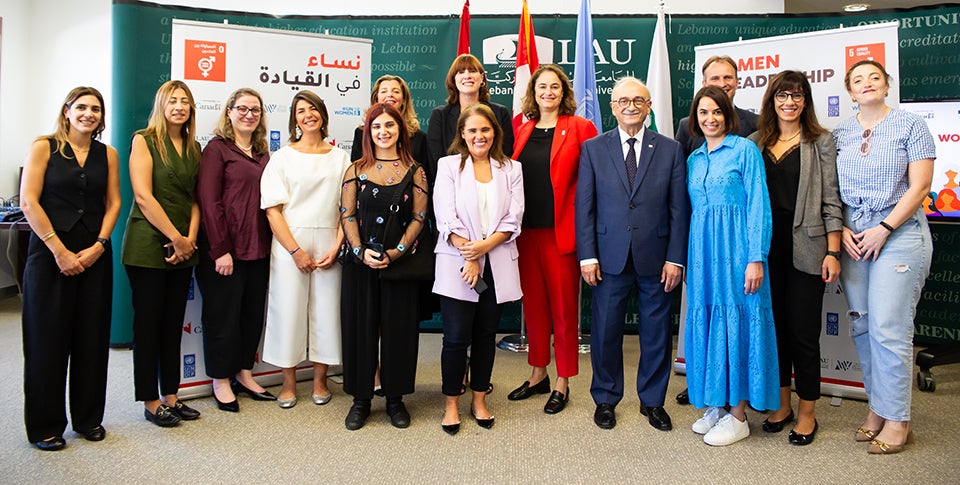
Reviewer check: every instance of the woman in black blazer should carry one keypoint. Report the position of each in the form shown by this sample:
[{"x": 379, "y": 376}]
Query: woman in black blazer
[
  {"x": 801, "y": 165},
  {"x": 466, "y": 85}
]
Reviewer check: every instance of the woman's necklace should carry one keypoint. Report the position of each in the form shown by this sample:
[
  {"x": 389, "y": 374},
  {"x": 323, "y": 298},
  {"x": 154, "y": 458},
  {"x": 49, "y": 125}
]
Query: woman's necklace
[
  {"x": 244, "y": 148},
  {"x": 784, "y": 140},
  {"x": 386, "y": 159}
]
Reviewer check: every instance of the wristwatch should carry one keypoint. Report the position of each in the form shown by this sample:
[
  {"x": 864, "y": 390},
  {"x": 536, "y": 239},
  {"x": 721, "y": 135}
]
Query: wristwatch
[
  {"x": 835, "y": 254},
  {"x": 104, "y": 241}
]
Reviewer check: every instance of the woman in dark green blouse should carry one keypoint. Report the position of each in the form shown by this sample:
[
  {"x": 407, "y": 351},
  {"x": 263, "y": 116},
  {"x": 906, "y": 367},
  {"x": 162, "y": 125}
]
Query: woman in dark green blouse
[{"x": 159, "y": 248}]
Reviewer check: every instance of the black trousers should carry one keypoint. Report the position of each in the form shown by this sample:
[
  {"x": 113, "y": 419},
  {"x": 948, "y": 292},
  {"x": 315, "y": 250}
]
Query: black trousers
[
  {"x": 233, "y": 314},
  {"x": 797, "y": 314},
  {"x": 376, "y": 311},
  {"x": 66, "y": 319},
  {"x": 159, "y": 301},
  {"x": 474, "y": 325}
]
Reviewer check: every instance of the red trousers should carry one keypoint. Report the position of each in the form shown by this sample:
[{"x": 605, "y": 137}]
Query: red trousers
[{"x": 551, "y": 288}]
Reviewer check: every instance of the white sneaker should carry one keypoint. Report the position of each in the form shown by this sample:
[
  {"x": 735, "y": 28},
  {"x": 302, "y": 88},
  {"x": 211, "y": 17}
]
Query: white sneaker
[
  {"x": 727, "y": 431},
  {"x": 709, "y": 419}
]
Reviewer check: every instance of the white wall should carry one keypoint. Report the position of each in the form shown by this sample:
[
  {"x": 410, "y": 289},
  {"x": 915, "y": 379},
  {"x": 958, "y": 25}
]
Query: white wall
[{"x": 50, "y": 46}]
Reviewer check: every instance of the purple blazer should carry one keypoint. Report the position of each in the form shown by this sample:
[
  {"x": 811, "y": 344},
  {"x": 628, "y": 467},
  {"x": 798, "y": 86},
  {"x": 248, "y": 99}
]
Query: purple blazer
[{"x": 457, "y": 211}]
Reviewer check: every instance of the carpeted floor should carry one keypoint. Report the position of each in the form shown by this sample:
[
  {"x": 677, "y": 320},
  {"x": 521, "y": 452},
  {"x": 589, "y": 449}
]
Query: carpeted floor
[{"x": 309, "y": 444}]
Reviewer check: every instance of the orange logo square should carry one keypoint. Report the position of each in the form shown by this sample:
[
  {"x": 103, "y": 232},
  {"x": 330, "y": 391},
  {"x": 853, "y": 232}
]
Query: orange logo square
[
  {"x": 205, "y": 60},
  {"x": 874, "y": 52}
]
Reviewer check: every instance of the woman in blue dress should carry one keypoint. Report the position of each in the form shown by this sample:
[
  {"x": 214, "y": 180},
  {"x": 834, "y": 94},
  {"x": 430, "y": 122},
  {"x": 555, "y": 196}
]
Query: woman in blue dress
[{"x": 730, "y": 341}]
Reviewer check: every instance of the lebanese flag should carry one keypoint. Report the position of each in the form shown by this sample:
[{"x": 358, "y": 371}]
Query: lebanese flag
[
  {"x": 463, "y": 42},
  {"x": 527, "y": 62}
]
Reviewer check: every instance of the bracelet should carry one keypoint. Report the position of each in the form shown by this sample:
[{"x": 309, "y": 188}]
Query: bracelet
[
  {"x": 886, "y": 226},
  {"x": 835, "y": 254},
  {"x": 294, "y": 251},
  {"x": 48, "y": 235}
]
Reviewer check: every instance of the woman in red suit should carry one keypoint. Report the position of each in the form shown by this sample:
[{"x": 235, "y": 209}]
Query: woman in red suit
[{"x": 548, "y": 148}]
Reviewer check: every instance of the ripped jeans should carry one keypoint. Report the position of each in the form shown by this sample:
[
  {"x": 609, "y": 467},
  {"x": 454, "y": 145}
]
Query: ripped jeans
[{"x": 883, "y": 296}]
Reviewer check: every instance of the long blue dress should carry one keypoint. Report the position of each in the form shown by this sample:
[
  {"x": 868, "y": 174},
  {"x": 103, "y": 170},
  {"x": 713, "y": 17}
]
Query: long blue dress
[{"x": 730, "y": 340}]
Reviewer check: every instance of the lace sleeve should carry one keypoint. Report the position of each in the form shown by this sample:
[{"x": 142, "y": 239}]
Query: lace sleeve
[
  {"x": 418, "y": 212},
  {"x": 348, "y": 211}
]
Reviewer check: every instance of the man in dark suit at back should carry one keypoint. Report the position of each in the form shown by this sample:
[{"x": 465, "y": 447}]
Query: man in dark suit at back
[
  {"x": 719, "y": 71},
  {"x": 632, "y": 216}
]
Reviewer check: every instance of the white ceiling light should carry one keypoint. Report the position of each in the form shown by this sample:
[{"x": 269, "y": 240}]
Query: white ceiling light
[{"x": 856, "y": 7}]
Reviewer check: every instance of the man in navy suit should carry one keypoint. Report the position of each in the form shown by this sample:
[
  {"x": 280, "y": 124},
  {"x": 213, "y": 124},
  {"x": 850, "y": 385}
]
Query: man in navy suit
[{"x": 632, "y": 217}]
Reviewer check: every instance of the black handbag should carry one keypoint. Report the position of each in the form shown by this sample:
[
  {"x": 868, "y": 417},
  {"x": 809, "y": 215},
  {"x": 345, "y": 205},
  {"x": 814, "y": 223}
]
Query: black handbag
[{"x": 418, "y": 260}]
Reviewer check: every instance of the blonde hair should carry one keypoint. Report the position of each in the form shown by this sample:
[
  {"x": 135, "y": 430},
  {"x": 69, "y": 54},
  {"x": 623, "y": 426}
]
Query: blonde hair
[
  {"x": 156, "y": 128},
  {"x": 224, "y": 127},
  {"x": 62, "y": 128},
  {"x": 409, "y": 112}
]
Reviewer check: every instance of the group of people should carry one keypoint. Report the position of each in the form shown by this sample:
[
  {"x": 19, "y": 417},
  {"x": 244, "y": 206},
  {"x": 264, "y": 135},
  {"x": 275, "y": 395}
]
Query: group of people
[{"x": 314, "y": 249}]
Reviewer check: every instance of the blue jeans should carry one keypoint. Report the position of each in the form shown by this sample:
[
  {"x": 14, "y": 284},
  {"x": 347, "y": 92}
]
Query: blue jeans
[{"x": 883, "y": 296}]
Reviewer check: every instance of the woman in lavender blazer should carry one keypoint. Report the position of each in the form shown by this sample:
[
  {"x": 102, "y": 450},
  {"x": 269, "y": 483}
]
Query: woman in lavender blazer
[{"x": 478, "y": 200}]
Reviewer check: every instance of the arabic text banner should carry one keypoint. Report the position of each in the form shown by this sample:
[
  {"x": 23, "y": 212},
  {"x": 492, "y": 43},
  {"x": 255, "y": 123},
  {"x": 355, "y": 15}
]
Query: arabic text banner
[{"x": 216, "y": 59}]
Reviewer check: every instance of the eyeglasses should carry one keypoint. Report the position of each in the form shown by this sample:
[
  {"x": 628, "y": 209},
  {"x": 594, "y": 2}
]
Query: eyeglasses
[
  {"x": 783, "y": 95},
  {"x": 243, "y": 110},
  {"x": 865, "y": 146},
  {"x": 639, "y": 102}
]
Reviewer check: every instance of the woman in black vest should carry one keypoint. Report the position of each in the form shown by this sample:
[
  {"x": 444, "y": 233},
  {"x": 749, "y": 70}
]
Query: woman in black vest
[
  {"x": 70, "y": 195},
  {"x": 159, "y": 248}
]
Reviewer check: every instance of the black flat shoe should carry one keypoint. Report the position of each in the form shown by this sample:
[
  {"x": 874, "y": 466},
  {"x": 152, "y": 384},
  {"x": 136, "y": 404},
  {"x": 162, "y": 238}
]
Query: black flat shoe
[
  {"x": 399, "y": 417},
  {"x": 94, "y": 434},
  {"x": 604, "y": 416},
  {"x": 232, "y": 406},
  {"x": 358, "y": 415},
  {"x": 777, "y": 426},
  {"x": 557, "y": 402},
  {"x": 803, "y": 439},
  {"x": 657, "y": 417},
  {"x": 53, "y": 443},
  {"x": 683, "y": 397},
  {"x": 450, "y": 429},
  {"x": 238, "y": 388},
  {"x": 483, "y": 422},
  {"x": 526, "y": 390},
  {"x": 164, "y": 417},
  {"x": 185, "y": 412}
]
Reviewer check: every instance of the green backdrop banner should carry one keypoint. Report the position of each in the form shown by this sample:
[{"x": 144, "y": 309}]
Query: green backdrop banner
[{"x": 420, "y": 50}]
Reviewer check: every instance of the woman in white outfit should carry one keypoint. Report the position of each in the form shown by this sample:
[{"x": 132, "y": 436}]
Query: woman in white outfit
[{"x": 300, "y": 190}]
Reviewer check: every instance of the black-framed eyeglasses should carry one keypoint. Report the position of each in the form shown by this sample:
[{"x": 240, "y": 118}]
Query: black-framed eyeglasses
[
  {"x": 865, "y": 146},
  {"x": 783, "y": 95},
  {"x": 243, "y": 110},
  {"x": 639, "y": 102}
]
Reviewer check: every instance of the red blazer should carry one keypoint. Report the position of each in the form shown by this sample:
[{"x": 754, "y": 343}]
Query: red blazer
[{"x": 568, "y": 137}]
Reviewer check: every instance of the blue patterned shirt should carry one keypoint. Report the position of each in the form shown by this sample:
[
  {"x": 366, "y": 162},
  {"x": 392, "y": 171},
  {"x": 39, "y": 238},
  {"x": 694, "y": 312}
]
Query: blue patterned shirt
[{"x": 876, "y": 181}]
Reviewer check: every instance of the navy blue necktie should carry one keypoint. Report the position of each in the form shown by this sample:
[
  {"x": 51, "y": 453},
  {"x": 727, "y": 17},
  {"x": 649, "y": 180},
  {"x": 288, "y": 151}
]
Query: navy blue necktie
[{"x": 631, "y": 162}]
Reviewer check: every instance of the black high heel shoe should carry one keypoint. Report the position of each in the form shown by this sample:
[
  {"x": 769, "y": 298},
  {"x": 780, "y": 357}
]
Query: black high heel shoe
[
  {"x": 232, "y": 406},
  {"x": 483, "y": 422},
  {"x": 237, "y": 388}
]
